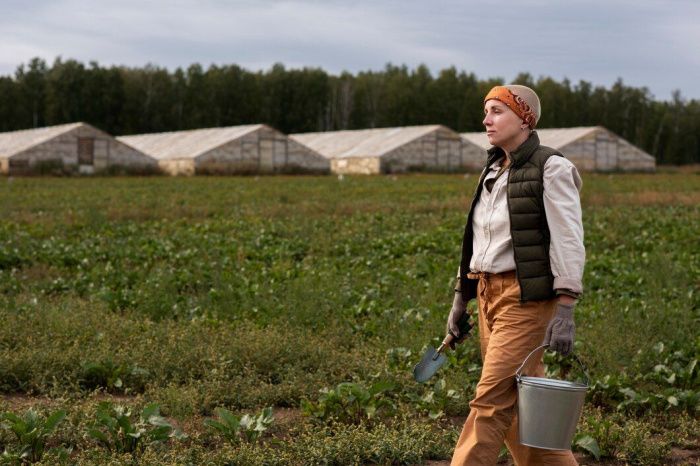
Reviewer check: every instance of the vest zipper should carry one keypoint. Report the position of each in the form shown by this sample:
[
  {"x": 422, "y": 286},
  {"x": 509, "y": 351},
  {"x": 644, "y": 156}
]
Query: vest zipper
[{"x": 510, "y": 219}]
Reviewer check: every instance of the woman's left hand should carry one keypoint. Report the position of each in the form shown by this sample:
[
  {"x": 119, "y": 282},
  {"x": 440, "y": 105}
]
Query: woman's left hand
[{"x": 561, "y": 329}]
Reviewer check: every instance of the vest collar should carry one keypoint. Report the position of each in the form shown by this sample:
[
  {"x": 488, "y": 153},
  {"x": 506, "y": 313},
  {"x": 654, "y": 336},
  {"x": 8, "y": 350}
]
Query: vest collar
[{"x": 520, "y": 155}]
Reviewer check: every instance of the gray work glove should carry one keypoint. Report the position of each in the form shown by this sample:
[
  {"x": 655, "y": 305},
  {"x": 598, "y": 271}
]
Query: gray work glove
[
  {"x": 458, "y": 320},
  {"x": 560, "y": 331}
]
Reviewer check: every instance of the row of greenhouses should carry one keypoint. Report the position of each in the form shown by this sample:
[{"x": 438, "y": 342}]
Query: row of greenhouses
[{"x": 79, "y": 148}]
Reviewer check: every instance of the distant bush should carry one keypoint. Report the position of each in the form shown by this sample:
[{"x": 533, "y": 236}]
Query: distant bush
[
  {"x": 53, "y": 167},
  {"x": 129, "y": 170}
]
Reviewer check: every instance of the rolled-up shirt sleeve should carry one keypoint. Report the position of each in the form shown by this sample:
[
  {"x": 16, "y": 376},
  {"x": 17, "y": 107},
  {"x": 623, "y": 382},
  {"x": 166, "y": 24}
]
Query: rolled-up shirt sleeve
[{"x": 562, "y": 205}]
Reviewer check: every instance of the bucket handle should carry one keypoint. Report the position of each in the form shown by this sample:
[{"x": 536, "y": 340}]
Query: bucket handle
[{"x": 518, "y": 373}]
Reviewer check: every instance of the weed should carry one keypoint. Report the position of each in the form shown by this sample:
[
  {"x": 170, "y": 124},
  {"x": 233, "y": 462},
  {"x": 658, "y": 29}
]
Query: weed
[
  {"x": 232, "y": 427},
  {"x": 351, "y": 402},
  {"x": 640, "y": 448},
  {"x": 31, "y": 430},
  {"x": 436, "y": 399},
  {"x": 116, "y": 429}
]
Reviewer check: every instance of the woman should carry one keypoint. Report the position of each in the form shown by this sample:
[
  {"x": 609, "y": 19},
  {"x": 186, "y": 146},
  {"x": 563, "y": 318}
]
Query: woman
[{"x": 522, "y": 259}]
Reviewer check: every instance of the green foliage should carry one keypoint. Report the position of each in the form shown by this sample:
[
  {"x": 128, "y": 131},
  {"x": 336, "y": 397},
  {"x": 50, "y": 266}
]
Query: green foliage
[
  {"x": 600, "y": 436},
  {"x": 31, "y": 431},
  {"x": 435, "y": 399},
  {"x": 671, "y": 383},
  {"x": 639, "y": 447},
  {"x": 399, "y": 358},
  {"x": 232, "y": 427},
  {"x": 117, "y": 430},
  {"x": 635, "y": 441},
  {"x": 109, "y": 375},
  {"x": 403, "y": 443},
  {"x": 587, "y": 444},
  {"x": 249, "y": 293},
  {"x": 351, "y": 402}
]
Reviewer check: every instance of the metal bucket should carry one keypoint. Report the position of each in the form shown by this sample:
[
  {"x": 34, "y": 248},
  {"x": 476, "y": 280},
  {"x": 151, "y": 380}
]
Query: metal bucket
[{"x": 549, "y": 409}]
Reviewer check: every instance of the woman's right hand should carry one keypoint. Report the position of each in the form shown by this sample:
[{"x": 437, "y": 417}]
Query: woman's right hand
[{"x": 458, "y": 320}]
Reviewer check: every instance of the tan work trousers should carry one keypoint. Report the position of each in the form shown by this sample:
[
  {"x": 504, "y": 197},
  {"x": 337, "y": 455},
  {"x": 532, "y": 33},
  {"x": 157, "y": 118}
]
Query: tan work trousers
[{"x": 508, "y": 332}]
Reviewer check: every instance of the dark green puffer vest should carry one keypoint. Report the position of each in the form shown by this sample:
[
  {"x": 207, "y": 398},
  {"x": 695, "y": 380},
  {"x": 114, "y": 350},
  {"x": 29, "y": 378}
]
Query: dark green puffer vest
[{"x": 528, "y": 222}]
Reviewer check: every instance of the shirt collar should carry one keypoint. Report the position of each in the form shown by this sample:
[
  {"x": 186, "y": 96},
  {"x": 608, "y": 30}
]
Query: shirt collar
[{"x": 495, "y": 166}]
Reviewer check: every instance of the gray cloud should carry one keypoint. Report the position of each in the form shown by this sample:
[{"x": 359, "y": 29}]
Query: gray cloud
[{"x": 646, "y": 42}]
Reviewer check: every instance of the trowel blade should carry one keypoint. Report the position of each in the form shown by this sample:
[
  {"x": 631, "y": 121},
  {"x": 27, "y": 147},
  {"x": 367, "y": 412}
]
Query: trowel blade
[{"x": 428, "y": 365}]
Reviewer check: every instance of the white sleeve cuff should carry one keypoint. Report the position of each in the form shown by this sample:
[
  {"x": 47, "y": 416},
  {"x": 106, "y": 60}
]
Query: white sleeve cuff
[{"x": 567, "y": 283}]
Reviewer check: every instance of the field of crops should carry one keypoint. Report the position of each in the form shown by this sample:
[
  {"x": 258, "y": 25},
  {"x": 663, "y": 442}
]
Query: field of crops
[{"x": 157, "y": 320}]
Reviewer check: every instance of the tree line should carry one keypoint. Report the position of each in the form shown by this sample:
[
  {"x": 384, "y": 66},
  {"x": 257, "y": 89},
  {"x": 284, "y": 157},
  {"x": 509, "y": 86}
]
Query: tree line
[{"x": 123, "y": 100}]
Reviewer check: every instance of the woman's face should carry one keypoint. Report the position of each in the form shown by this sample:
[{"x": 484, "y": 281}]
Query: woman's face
[{"x": 503, "y": 126}]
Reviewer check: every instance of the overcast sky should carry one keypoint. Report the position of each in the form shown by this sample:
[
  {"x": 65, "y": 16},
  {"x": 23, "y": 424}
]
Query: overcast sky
[{"x": 645, "y": 42}]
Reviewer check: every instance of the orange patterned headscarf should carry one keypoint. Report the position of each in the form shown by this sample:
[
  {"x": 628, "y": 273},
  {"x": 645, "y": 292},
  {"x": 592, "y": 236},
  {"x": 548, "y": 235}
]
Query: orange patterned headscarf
[{"x": 515, "y": 103}]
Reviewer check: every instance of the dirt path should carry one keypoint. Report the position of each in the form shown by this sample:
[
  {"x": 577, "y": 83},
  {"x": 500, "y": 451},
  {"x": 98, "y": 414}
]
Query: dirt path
[{"x": 678, "y": 457}]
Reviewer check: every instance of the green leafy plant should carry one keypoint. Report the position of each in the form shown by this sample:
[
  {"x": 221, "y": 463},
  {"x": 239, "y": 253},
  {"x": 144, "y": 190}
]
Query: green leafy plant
[
  {"x": 663, "y": 381},
  {"x": 105, "y": 374},
  {"x": 31, "y": 431},
  {"x": 351, "y": 402},
  {"x": 677, "y": 369},
  {"x": 435, "y": 399},
  {"x": 112, "y": 376},
  {"x": 399, "y": 358},
  {"x": 600, "y": 435},
  {"x": 232, "y": 427},
  {"x": 116, "y": 429},
  {"x": 587, "y": 444}
]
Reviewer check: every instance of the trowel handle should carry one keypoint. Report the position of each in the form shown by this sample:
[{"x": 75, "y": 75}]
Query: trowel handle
[
  {"x": 464, "y": 328},
  {"x": 445, "y": 343}
]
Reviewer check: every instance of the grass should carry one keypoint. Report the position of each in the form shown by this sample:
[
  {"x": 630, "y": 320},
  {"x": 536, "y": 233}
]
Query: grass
[{"x": 248, "y": 292}]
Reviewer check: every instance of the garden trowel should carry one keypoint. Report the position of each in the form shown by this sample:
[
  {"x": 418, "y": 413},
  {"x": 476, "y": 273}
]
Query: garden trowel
[{"x": 433, "y": 358}]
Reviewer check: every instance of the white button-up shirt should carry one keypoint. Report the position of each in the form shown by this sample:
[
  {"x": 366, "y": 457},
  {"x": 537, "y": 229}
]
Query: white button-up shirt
[{"x": 492, "y": 244}]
